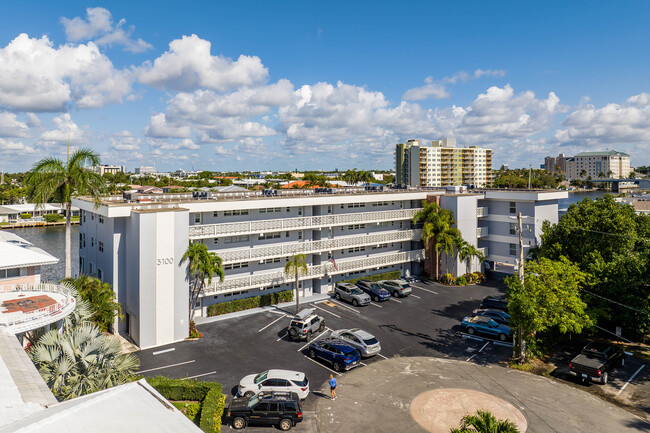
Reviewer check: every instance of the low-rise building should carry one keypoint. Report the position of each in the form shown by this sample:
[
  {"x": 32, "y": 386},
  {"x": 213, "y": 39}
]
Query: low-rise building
[
  {"x": 11, "y": 213},
  {"x": 112, "y": 169}
]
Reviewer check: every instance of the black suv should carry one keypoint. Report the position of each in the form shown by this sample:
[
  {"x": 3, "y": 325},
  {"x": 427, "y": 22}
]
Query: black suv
[
  {"x": 280, "y": 409},
  {"x": 495, "y": 303}
]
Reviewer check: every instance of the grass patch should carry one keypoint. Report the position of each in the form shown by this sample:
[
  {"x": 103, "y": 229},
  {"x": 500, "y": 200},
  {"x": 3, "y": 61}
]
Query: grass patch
[{"x": 535, "y": 366}]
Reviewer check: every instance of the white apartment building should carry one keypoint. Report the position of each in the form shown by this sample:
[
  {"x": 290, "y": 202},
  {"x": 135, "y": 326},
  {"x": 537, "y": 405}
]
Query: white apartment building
[
  {"x": 138, "y": 246},
  {"x": 609, "y": 164},
  {"x": 145, "y": 170},
  {"x": 442, "y": 164},
  {"x": 112, "y": 169}
]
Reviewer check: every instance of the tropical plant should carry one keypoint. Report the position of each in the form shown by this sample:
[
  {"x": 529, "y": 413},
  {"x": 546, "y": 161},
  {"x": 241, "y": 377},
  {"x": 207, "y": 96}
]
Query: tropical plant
[
  {"x": 583, "y": 172},
  {"x": 351, "y": 177},
  {"x": 101, "y": 298},
  {"x": 51, "y": 178},
  {"x": 437, "y": 232},
  {"x": 467, "y": 251},
  {"x": 202, "y": 265},
  {"x": 484, "y": 422},
  {"x": 80, "y": 359},
  {"x": 296, "y": 266}
]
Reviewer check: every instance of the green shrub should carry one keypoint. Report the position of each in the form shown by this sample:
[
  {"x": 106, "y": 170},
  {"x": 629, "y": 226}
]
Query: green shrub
[
  {"x": 189, "y": 408},
  {"x": 461, "y": 281},
  {"x": 212, "y": 410},
  {"x": 52, "y": 217},
  {"x": 479, "y": 277},
  {"x": 25, "y": 215},
  {"x": 447, "y": 279},
  {"x": 393, "y": 275},
  {"x": 252, "y": 302}
]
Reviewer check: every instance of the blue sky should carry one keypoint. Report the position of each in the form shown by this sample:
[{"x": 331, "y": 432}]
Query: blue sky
[{"x": 320, "y": 85}]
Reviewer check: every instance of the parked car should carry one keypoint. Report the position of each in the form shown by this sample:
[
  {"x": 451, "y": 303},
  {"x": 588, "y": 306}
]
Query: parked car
[
  {"x": 596, "y": 361},
  {"x": 498, "y": 316},
  {"x": 351, "y": 293},
  {"x": 274, "y": 380},
  {"x": 494, "y": 303},
  {"x": 280, "y": 409},
  {"x": 304, "y": 324},
  {"x": 365, "y": 343},
  {"x": 396, "y": 287},
  {"x": 485, "y": 325},
  {"x": 376, "y": 292},
  {"x": 341, "y": 355}
]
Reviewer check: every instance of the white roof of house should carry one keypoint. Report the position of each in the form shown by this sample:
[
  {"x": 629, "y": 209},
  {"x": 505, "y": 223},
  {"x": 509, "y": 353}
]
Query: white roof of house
[
  {"x": 16, "y": 252},
  {"x": 31, "y": 207},
  {"x": 133, "y": 407}
]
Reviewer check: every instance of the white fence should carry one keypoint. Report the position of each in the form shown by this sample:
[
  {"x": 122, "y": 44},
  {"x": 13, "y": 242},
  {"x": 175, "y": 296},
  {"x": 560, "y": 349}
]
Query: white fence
[{"x": 34, "y": 319}]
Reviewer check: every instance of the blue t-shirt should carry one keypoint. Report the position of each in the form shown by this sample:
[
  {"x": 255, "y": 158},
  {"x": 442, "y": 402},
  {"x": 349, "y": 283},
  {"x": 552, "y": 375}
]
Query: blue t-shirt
[{"x": 333, "y": 383}]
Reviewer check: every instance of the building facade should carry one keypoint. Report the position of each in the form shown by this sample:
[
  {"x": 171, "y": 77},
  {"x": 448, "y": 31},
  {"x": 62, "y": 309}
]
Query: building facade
[
  {"x": 442, "y": 164},
  {"x": 595, "y": 165},
  {"x": 112, "y": 169},
  {"x": 556, "y": 164}
]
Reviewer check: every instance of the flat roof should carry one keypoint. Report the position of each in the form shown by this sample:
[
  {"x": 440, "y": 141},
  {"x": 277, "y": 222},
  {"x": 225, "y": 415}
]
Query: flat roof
[
  {"x": 16, "y": 252},
  {"x": 602, "y": 153}
]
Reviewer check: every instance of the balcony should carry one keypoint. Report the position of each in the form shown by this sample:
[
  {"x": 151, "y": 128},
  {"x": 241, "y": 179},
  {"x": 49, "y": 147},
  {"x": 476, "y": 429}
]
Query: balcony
[
  {"x": 318, "y": 271},
  {"x": 481, "y": 212},
  {"x": 481, "y": 232},
  {"x": 312, "y": 247},
  {"x": 256, "y": 227}
]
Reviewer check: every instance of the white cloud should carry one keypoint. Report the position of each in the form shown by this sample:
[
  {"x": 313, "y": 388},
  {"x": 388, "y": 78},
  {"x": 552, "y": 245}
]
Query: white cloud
[
  {"x": 11, "y": 127},
  {"x": 160, "y": 128},
  {"x": 35, "y": 76},
  {"x": 125, "y": 141},
  {"x": 188, "y": 65},
  {"x": 65, "y": 130},
  {"x": 628, "y": 122},
  {"x": 158, "y": 144},
  {"x": 12, "y": 148},
  {"x": 437, "y": 89},
  {"x": 98, "y": 26},
  {"x": 248, "y": 145},
  {"x": 33, "y": 121}
]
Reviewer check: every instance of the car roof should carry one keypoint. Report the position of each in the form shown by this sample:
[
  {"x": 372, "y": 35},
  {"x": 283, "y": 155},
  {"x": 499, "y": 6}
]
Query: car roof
[
  {"x": 278, "y": 395},
  {"x": 303, "y": 314},
  {"x": 345, "y": 285},
  {"x": 597, "y": 346},
  {"x": 285, "y": 374},
  {"x": 477, "y": 319},
  {"x": 339, "y": 344},
  {"x": 495, "y": 298},
  {"x": 361, "y": 333},
  {"x": 489, "y": 310}
]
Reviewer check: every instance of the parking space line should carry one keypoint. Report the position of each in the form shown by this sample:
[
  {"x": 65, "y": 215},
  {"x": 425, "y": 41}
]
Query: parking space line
[
  {"x": 630, "y": 380},
  {"x": 375, "y": 305},
  {"x": 426, "y": 290},
  {"x": 279, "y": 318},
  {"x": 415, "y": 296},
  {"x": 496, "y": 342},
  {"x": 328, "y": 312},
  {"x": 479, "y": 351},
  {"x": 344, "y": 306},
  {"x": 365, "y": 365},
  {"x": 283, "y": 335},
  {"x": 314, "y": 337},
  {"x": 164, "y": 351},
  {"x": 396, "y": 300},
  {"x": 379, "y": 354},
  {"x": 325, "y": 367},
  {"x": 199, "y": 375},
  {"x": 166, "y": 366}
]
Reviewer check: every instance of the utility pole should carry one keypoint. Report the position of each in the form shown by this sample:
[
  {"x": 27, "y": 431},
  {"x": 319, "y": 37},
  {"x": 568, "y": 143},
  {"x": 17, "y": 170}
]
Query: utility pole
[{"x": 520, "y": 333}]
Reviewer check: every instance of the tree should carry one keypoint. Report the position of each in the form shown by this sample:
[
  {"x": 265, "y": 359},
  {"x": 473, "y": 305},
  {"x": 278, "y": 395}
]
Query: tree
[
  {"x": 632, "y": 175},
  {"x": 609, "y": 174},
  {"x": 365, "y": 177},
  {"x": 549, "y": 298},
  {"x": 51, "y": 178},
  {"x": 295, "y": 267},
  {"x": 287, "y": 176},
  {"x": 202, "y": 265},
  {"x": 101, "y": 298},
  {"x": 583, "y": 172},
  {"x": 484, "y": 422},
  {"x": 80, "y": 359},
  {"x": 351, "y": 177},
  {"x": 467, "y": 251},
  {"x": 437, "y": 231}
]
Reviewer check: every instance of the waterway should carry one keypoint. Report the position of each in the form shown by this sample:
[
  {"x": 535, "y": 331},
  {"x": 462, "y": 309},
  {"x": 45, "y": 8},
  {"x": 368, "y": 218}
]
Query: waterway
[
  {"x": 52, "y": 240},
  {"x": 577, "y": 196}
]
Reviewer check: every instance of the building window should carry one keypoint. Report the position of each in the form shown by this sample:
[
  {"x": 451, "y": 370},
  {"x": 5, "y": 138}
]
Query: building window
[
  {"x": 513, "y": 207},
  {"x": 81, "y": 238},
  {"x": 92, "y": 241},
  {"x": 100, "y": 274},
  {"x": 235, "y": 266},
  {"x": 513, "y": 249},
  {"x": 84, "y": 216},
  {"x": 350, "y": 205},
  {"x": 273, "y": 235},
  {"x": 299, "y": 234},
  {"x": 197, "y": 218},
  {"x": 90, "y": 268},
  {"x": 513, "y": 229},
  {"x": 270, "y": 210},
  {"x": 10, "y": 273},
  {"x": 269, "y": 261},
  {"x": 101, "y": 246},
  {"x": 101, "y": 219},
  {"x": 357, "y": 227},
  {"x": 235, "y": 212},
  {"x": 356, "y": 249},
  {"x": 235, "y": 239}
]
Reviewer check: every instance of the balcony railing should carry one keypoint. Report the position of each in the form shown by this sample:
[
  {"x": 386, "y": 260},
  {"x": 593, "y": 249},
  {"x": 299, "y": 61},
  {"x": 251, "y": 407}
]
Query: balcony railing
[
  {"x": 317, "y": 271},
  {"x": 311, "y": 247},
  {"x": 481, "y": 212},
  {"x": 21, "y": 321},
  {"x": 247, "y": 227},
  {"x": 481, "y": 232}
]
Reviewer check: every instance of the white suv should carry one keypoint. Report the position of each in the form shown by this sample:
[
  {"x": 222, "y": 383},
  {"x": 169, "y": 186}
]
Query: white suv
[
  {"x": 304, "y": 324},
  {"x": 274, "y": 380}
]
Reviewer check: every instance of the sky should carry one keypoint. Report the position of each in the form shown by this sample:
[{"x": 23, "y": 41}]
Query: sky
[{"x": 308, "y": 85}]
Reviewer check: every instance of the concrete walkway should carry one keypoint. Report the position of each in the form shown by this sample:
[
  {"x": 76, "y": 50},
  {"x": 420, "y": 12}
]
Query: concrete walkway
[{"x": 378, "y": 398}]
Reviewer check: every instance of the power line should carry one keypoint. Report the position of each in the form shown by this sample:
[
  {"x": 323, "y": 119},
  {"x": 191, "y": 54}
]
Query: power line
[{"x": 615, "y": 302}]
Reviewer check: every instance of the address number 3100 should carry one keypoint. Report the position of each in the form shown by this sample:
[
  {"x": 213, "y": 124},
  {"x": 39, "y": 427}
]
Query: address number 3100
[{"x": 165, "y": 261}]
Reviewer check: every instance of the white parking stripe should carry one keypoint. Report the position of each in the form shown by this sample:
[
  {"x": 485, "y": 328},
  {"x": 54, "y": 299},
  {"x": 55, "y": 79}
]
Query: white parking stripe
[
  {"x": 375, "y": 305},
  {"x": 629, "y": 380},
  {"x": 396, "y": 300},
  {"x": 279, "y": 318},
  {"x": 329, "y": 312},
  {"x": 199, "y": 375},
  {"x": 365, "y": 365},
  {"x": 318, "y": 363},
  {"x": 166, "y": 366},
  {"x": 313, "y": 338},
  {"x": 164, "y": 351},
  {"x": 426, "y": 290},
  {"x": 379, "y": 354},
  {"x": 283, "y": 335},
  {"x": 479, "y": 351},
  {"x": 340, "y": 304},
  {"x": 415, "y": 296}
]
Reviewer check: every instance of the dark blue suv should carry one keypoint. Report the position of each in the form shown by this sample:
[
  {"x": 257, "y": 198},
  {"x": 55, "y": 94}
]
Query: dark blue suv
[
  {"x": 376, "y": 292},
  {"x": 336, "y": 352}
]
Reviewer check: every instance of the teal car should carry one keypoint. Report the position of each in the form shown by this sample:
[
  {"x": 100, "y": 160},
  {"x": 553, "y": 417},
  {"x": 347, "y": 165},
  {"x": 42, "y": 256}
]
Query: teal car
[{"x": 486, "y": 326}]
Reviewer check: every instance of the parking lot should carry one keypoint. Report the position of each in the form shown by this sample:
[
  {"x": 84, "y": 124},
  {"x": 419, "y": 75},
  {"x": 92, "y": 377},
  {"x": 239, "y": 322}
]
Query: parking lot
[{"x": 426, "y": 323}]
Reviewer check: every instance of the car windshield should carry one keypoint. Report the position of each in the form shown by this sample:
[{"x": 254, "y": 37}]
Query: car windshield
[
  {"x": 375, "y": 287},
  {"x": 303, "y": 382},
  {"x": 260, "y": 377},
  {"x": 348, "y": 350},
  {"x": 253, "y": 401},
  {"x": 356, "y": 291},
  {"x": 370, "y": 341}
]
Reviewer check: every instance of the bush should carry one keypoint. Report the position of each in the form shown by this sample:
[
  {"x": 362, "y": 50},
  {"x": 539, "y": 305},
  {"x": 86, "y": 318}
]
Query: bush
[
  {"x": 194, "y": 333},
  {"x": 191, "y": 409},
  {"x": 461, "y": 281},
  {"x": 393, "y": 275},
  {"x": 52, "y": 217},
  {"x": 248, "y": 303},
  {"x": 25, "y": 215},
  {"x": 478, "y": 277},
  {"x": 447, "y": 279},
  {"x": 208, "y": 393}
]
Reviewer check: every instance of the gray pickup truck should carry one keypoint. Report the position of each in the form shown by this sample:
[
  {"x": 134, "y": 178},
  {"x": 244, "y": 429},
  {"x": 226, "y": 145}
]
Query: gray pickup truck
[{"x": 596, "y": 361}]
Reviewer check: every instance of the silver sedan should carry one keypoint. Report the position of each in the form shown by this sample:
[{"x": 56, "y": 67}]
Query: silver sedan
[{"x": 363, "y": 341}]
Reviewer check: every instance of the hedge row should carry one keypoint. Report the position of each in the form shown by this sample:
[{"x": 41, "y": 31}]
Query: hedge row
[
  {"x": 252, "y": 302},
  {"x": 393, "y": 275},
  {"x": 208, "y": 393}
]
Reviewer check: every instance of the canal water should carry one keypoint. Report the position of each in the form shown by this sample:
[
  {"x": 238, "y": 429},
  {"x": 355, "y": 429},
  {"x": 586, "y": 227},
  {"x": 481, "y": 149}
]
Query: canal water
[
  {"x": 577, "y": 196},
  {"x": 52, "y": 240}
]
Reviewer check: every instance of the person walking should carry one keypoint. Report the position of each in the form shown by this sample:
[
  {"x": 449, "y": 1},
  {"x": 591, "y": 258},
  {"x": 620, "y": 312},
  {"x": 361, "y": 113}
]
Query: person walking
[{"x": 332, "y": 387}]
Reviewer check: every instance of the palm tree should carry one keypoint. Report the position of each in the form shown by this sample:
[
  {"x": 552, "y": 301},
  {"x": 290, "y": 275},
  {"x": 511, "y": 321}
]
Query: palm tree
[
  {"x": 447, "y": 240},
  {"x": 437, "y": 232},
  {"x": 366, "y": 177},
  {"x": 202, "y": 265},
  {"x": 51, "y": 178},
  {"x": 466, "y": 251},
  {"x": 351, "y": 177},
  {"x": 484, "y": 422},
  {"x": 296, "y": 266},
  {"x": 101, "y": 298},
  {"x": 583, "y": 172},
  {"x": 80, "y": 359}
]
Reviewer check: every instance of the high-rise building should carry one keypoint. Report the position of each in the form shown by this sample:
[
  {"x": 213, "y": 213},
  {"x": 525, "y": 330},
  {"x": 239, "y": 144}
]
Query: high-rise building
[
  {"x": 442, "y": 164},
  {"x": 556, "y": 164},
  {"x": 609, "y": 164}
]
